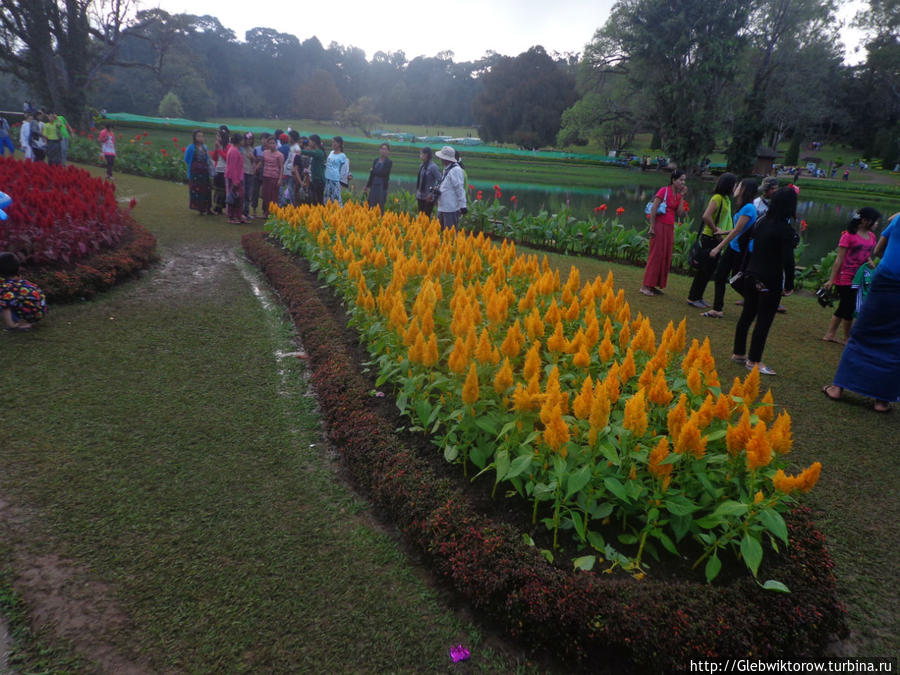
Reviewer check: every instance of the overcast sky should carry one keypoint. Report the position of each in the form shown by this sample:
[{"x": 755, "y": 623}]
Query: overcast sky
[{"x": 468, "y": 28}]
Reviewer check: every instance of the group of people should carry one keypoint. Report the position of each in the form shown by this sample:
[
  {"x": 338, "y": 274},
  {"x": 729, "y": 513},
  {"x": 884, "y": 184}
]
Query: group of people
[
  {"x": 748, "y": 241},
  {"x": 44, "y": 135},
  {"x": 287, "y": 168}
]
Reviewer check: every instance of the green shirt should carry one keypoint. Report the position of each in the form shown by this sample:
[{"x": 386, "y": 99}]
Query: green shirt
[
  {"x": 64, "y": 130},
  {"x": 52, "y": 130},
  {"x": 317, "y": 166},
  {"x": 723, "y": 209}
]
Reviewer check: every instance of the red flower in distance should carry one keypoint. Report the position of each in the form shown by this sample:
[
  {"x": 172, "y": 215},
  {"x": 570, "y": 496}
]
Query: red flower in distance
[
  {"x": 602, "y": 207},
  {"x": 620, "y": 211},
  {"x": 146, "y": 133},
  {"x": 148, "y": 143},
  {"x": 513, "y": 199},
  {"x": 132, "y": 203},
  {"x": 597, "y": 209},
  {"x": 496, "y": 187},
  {"x": 471, "y": 187},
  {"x": 479, "y": 195},
  {"x": 497, "y": 194},
  {"x": 183, "y": 148},
  {"x": 163, "y": 151},
  {"x": 803, "y": 226},
  {"x": 174, "y": 140}
]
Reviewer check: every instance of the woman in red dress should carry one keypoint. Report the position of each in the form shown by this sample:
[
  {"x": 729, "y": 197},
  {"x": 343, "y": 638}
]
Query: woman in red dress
[{"x": 662, "y": 233}]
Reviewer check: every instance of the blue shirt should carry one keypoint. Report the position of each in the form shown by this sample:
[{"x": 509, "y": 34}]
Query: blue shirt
[
  {"x": 890, "y": 261},
  {"x": 333, "y": 166},
  {"x": 746, "y": 210}
]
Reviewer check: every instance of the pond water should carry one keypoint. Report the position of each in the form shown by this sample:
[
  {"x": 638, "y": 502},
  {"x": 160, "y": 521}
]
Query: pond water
[{"x": 825, "y": 218}]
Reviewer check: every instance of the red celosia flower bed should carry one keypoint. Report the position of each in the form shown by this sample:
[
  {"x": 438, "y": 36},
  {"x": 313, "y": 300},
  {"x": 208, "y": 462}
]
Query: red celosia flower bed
[
  {"x": 136, "y": 250},
  {"x": 606, "y": 623},
  {"x": 59, "y": 215}
]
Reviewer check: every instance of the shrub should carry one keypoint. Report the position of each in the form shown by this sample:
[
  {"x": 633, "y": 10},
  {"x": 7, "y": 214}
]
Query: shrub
[{"x": 170, "y": 106}]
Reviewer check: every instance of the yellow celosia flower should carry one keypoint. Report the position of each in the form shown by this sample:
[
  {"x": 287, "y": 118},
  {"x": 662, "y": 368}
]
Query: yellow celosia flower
[
  {"x": 657, "y": 455},
  {"x": 647, "y": 376},
  {"x": 766, "y": 411},
  {"x": 606, "y": 349},
  {"x": 676, "y": 345},
  {"x": 751, "y": 386},
  {"x": 627, "y": 370},
  {"x": 612, "y": 384},
  {"x": 607, "y": 328},
  {"x": 677, "y": 416},
  {"x": 430, "y": 353},
  {"x": 459, "y": 357},
  {"x": 644, "y": 340},
  {"x": 513, "y": 342},
  {"x": 581, "y": 406},
  {"x": 523, "y": 400},
  {"x": 780, "y": 436},
  {"x": 552, "y": 315},
  {"x": 592, "y": 333},
  {"x": 624, "y": 337},
  {"x": 573, "y": 311},
  {"x": 623, "y": 314},
  {"x": 705, "y": 412},
  {"x": 636, "y": 414},
  {"x": 722, "y": 410},
  {"x": 553, "y": 394},
  {"x": 556, "y": 432},
  {"x": 759, "y": 452},
  {"x": 758, "y": 497},
  {"x": 608, "y": 304},
  {"x": 804, "y": 482},
  {"x": 688, "y": 361},
  {"x": 582, "y": 359},
  {"x": 417, "y": 351},
  {"x": 659, "y": 390},
  {"x": 534, "y": 325},
  {"x": 599, "y": 415},
  {"x": 503, "y": 380},
  {"x": 695, "y": 381},
  {"x": 527, "y": 302},
  {"x": 690, "y": 439},
  {"x": 484, "y": 350},
  {"x": 470, "y": 388},
  {"x": 737, "y": 436},
  {"x": 711, "y": 379},
  {"x": 737, "y": 389},
  {"x": 557, "y": 341},
  {"x": 532, "y": 361}
]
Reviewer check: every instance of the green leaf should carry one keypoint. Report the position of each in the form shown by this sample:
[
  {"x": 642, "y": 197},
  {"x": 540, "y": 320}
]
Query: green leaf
[
  {"x": 548, "y": 555},
  {"x": 486, "y": 424},
  {"x": 451, "y": 452},
  {"x": 681, "y": 525},
  {"x": 730, "y": 508},
  {"x": 680, "y": 506},
  {"x": 595, "y": 539},
  {"x": 519, "y": 465},
  {"x": 613, "y": 485},
  {"x": 774, "y": 523},
  {"x": 578, "y": 480},
  {"x": 578, "y": 523},
  {"x": 585, "y": 563},
  {"x": 609, "y": 452},
  {"x": 713, "y": 565},
  {"x": 509, "y": 426},
  {"x": 777, "y": 586},
  {"x": 501, "y": 462},
  {"x": 600, "y": 511},
  {"x": 716, "y": 435},
  {"x": 668, "y": 543},
  {"x": 479, "y": 455},
  {"x": 628, "y": 539},
  {"x": 752, "y": 551}
]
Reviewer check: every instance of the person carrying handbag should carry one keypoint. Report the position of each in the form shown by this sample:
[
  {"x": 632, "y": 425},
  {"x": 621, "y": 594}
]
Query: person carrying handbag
[
  {"x": 716, "y": 223},
  {"x": 662, "y": 233}
]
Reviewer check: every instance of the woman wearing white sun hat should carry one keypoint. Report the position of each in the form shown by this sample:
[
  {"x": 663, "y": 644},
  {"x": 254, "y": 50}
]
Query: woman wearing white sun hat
[{"x": 450, "y": 190}]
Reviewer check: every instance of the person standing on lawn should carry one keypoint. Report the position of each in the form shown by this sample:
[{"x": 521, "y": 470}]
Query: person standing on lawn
[
  {"x": 870, "y": 363},
  {"x": 6, "y": 141},
  {"x": 735, "y": 246},
  {"x": 854, "y": 248},
  {"x": 234, "y": 181},
  {"x": 451, "y": 201},
  {"x": 771, "y": 266},
  {"x": 662, "y": 233},
  {"x": 337, "y": 171},
  {"x": 429, "y": 175},
  {"x": 316, "y": 169},
  {"x": 199, "y": 169},
  {"x": 272, "y": 166},
  {"x": 107, "y": 140},
  {"x": 717, "y": 222},
  {"x": 25, "y": 136},
  {"x": 379, "y": 177}
]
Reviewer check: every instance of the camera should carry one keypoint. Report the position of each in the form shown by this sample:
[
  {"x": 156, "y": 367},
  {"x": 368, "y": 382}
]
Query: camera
[
  {"x": 823, "y": 295},
  {"x": 435, "y": 192}
]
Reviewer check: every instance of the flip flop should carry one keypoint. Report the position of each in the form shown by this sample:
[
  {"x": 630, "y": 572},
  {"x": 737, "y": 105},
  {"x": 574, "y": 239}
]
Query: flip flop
[
  {"x": 739, "y": 359},
  {"x": 835, "y": 340},
  {"x": 644, "y": 291},
  {"x": 656, "y": 291},
  {"x": 827, "y": 395},
  {"x": 710, "y": 315},
  {"x": 886, "y": 409}
]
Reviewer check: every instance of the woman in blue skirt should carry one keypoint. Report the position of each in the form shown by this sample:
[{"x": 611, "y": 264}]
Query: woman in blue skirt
[{"x": 870, "y": 364}]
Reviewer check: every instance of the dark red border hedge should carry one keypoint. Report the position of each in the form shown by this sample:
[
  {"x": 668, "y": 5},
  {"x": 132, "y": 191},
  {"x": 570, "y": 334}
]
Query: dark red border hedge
[
  {"x": 104, "y": 270},
  {"x": 601, "y": 622}
]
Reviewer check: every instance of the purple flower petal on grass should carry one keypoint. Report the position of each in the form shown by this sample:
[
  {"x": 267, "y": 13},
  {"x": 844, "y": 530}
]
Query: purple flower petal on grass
[{"x": 459, "y": 653}]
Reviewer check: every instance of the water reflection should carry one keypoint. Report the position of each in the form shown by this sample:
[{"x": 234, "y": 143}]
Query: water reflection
[{"x": 825, "y": 218}]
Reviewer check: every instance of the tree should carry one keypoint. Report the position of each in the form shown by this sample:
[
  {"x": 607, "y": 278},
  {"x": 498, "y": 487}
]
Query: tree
[
  {"x": 318, "y": 97},
  {"x": 681, "y": 55},
  {"x": 170, "y": 106},
  {"x": 522, "y": 99},
  {"x": 59, "y": 46},
  {"x": 784, "y": 37},
  {"x": 360, "y": 114}
]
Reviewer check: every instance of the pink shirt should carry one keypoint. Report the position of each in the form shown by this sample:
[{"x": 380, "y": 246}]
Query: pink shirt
[
  {"x": 859, "y": 248},
  {"x": 672, "y": 200},
  {"x": 234, "y": 165},
  {"x": 272, "y": 163}
]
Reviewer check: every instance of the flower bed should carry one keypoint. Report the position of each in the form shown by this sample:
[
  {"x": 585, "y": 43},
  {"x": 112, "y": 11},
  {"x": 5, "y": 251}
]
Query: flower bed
[
  {"x": 645, "y": 624},
  {"x": 59, "y": 215},
  {"x": 136, "y": 250},
  {"x": 67, "y": 230}
]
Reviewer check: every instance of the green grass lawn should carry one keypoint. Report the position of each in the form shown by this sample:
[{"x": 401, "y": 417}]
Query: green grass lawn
[{"x": 163, "y": 446}]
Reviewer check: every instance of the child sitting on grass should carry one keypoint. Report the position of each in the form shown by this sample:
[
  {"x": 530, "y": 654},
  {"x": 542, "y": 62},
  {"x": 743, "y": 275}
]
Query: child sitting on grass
[{"x": 22, "y": 304}]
